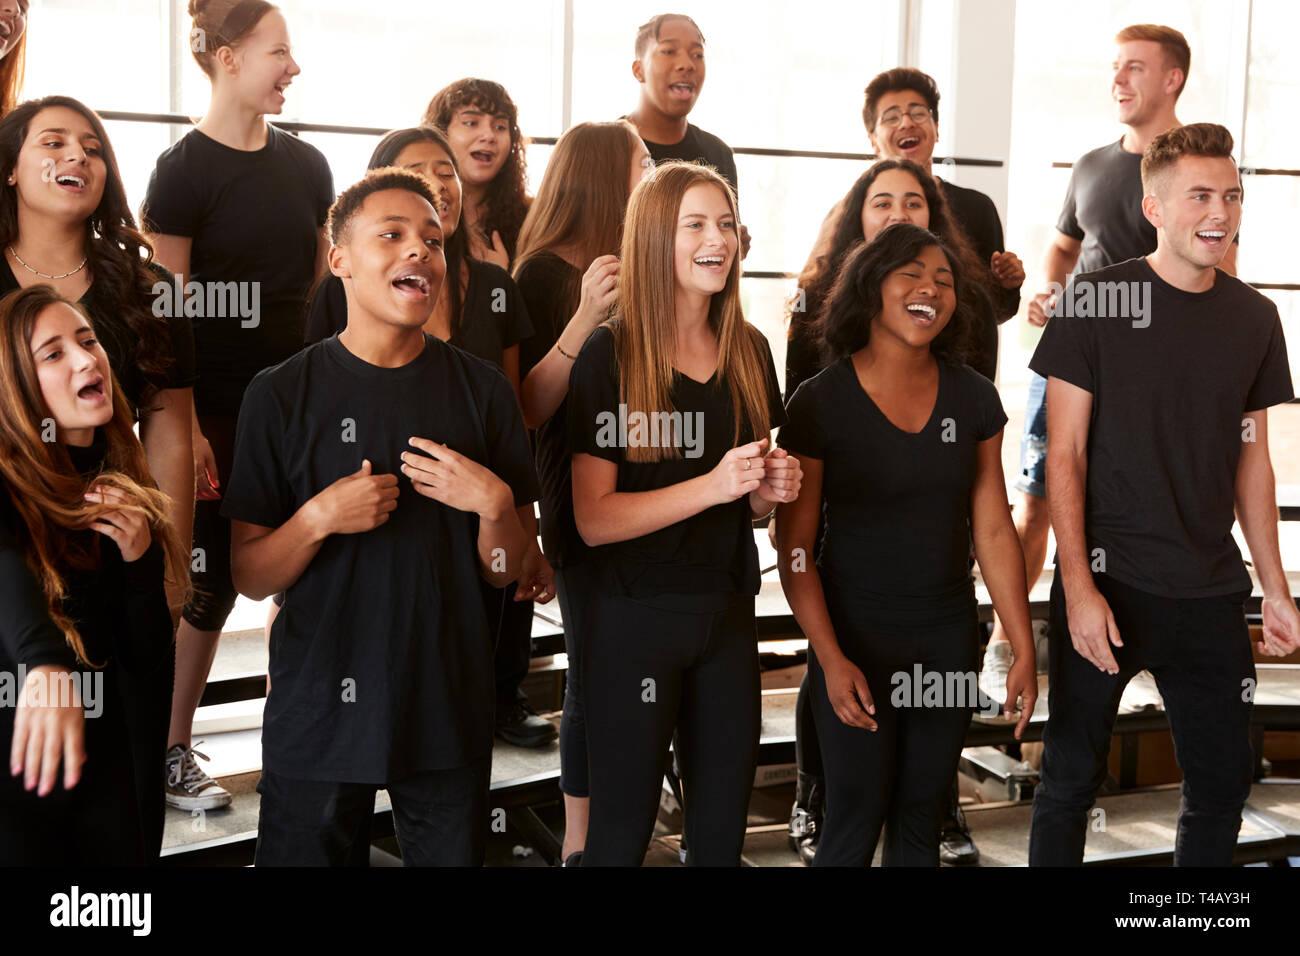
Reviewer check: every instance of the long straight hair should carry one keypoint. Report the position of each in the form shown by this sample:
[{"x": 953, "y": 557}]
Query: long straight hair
[
  {"x": 582, "y": 201},
  {"x": 12, "y": 70},
  {"x": 645, "y": 328},
  {"x": 46, "y": 490}
]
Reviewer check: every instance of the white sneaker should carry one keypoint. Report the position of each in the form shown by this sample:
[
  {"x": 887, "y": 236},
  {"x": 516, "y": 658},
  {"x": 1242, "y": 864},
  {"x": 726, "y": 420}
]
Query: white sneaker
[
  {"x": 188, "y": 787},
  {"x": 1141, "y": 694}
]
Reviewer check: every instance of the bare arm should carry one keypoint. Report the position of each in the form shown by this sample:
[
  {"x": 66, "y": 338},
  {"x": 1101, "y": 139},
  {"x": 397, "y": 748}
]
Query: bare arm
[
  {"x": 1002, "y": 565},
  {"x": 604, "y": 515},
  {"x": 166, "y": 434},
  {"x": 1069, "y": 413},
  {"x": 265, "y": 561},
  {"x": 547, "y": 382},
  {"x": 796, "y": 532},
  {"x": 1061, "y": 256},
  {"x": 1255, "y": 495}
]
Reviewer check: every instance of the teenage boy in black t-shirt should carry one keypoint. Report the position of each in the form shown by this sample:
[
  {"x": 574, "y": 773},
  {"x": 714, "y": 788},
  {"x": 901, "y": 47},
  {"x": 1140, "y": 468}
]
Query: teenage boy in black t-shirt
[
  {"x": 1160, "y": 372},
  {"x": 669, "y": 65},
  {"x": 381, "y": 660}
]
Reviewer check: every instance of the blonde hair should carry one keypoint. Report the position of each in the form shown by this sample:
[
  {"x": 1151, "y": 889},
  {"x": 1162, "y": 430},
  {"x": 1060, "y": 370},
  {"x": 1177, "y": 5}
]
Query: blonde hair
[{"x": 645, "y": 329}]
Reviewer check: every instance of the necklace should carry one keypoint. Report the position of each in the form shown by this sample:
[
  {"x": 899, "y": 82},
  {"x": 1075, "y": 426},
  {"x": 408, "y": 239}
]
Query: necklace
[{"x": 44, "y": 275}]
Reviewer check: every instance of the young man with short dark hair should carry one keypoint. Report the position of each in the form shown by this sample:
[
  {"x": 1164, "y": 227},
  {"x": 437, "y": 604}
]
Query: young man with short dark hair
[
  {"x": 1157, "y": 420},
  {"x": 669, "y": 66},
  {"x": 381, "y": 659}
]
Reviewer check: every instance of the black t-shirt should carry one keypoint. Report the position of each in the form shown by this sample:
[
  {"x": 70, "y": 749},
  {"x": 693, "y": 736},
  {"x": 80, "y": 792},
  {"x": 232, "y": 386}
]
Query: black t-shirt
[
  {"x": 896, "y": 505},
  {"x": 697, "y": 146},
  {"x": 978, "y": 217},
  {"x": 254, "y": 217},
  {"x": 381, "y": 658},
  {"x": 118, "y": 339},
  {"x": 709, "y": 553},
  {"x": 493, "y": 317},
  {"x": 1169, "y": 391},
  {"x": 1103, "y": 209},
  {"x": 551, "y": 289}
]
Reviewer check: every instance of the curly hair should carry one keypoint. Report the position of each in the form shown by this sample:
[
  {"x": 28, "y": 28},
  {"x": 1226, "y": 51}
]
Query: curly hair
[
  {"x": 119, "y": 255},
  {"x": 506, "y": 203},
  {"x": 855, "y": 299},
  {"x": 818, "y": 278}
]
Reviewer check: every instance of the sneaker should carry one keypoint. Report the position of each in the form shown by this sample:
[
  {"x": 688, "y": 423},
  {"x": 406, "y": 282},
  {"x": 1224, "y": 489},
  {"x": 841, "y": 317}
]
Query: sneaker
[
  {"x": 188, "y": 787},
  {"x": 993, "y": 675},
  {"x": 956, "y": 848},
  {"x": 1140, "y": 694},
  {"x": 806, "y": 817},
  {"x": 573, "y": 859},
  {"x": 519, "y": 724},
  {"x": 1040, "y": 646}
]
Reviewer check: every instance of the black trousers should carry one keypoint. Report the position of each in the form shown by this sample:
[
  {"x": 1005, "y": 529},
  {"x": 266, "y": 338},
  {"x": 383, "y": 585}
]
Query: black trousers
[
  {"x": 575, "y": 587},
  {"x": 684, "y": 663},
  {"x": 899, "y": 776},
  {"x": 440, "y": 817},
  {"x": 1198, "y": 651}
]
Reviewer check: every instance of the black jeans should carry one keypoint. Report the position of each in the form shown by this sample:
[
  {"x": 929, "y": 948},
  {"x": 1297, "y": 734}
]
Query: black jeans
[
  {"x": 684, "y": 663},
  {"x": 440, "y": 816},
  {"x": 575, "y": 588},
  {"x": 1198, "y": 650}
]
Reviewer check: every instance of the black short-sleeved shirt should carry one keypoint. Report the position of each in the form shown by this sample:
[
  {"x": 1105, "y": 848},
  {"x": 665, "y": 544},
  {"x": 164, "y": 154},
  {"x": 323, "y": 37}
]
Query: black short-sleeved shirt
[
  {"x": 118, "y": 339},
  {"x": 254, "y": 217},
  {"x": 551, "y": 289},
  {"x": 896, "y": 505},
  {"x": 697, "y": 146},
  {"x": 978, "y": 217},
  {"x": 381, "y": 659},
  {"x": 1167, "y": 422},
  {"x": 1103, "y": 209},
  {"x": 710, "y": 552},
  {"x": 493, "y": 317}
]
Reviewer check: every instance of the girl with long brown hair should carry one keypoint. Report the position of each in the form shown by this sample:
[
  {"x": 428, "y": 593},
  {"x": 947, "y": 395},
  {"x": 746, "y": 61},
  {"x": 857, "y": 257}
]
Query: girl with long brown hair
[
  {"x": 670, "y": 410},
  {"x": 81, "y": 513},
  {"x": 575, "y": 224}
]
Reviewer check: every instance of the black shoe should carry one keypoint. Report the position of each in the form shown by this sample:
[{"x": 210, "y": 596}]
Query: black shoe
[
  {"x": 806, "y": 817},
  {"x": 956, "y": 848},
  {"x": 518, "y": 724}
]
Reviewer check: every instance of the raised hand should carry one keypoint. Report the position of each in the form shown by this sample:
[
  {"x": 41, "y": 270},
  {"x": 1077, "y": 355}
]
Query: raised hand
[
  {"x": 455, "y": 480},
  {"x": 739, "y": 472},
  {"x": 129, "y": 529},
  {"x": 1007, "y": 269},
  {"x": 357, "y": 502},
  {"x": 782, "y": 477}
]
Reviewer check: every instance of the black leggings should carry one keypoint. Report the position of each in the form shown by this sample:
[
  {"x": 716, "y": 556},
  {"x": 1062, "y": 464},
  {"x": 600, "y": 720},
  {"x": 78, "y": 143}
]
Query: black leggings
[
  {"x": 684, "y": 663},
  {"x": 575, "y": 586},
  {"x": 899, "y": 776},
  {"x": 213, "y": 596}
]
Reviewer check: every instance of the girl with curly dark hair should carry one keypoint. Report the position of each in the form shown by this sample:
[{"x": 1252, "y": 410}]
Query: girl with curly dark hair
[
  {"x": 481, "y": 121},
  {"x": 900, "y": 447}
]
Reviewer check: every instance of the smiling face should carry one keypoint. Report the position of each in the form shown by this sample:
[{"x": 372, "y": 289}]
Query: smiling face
[
  {"x": 13, "y": 23},
  {"x": 264, "y": 65},
  {"x": 73, "y": 373},
  {"x": 894, "y": 196},
  {"x": 898, "y": 134},
  {"x": 1143, "y": 84},
  {"x": 1196, "y": 209},
  {"x": 707, "y": 240},
  {"x": 432, "y": 160},
  {"x": 392, "y": 254},
  {"x": 481, "y": 143},
  {"x": 671, "y": 71},
  {"x": 60, "y": 171},
  {"x": 917, "y": 300}
]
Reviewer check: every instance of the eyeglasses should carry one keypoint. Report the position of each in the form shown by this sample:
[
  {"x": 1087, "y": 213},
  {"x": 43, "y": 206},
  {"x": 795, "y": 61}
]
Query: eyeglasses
[{"x": 892, "y": 118}]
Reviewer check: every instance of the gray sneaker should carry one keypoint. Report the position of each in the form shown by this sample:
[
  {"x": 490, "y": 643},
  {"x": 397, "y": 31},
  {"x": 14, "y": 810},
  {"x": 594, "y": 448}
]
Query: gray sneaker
[{"x": 188, "y": 787}]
